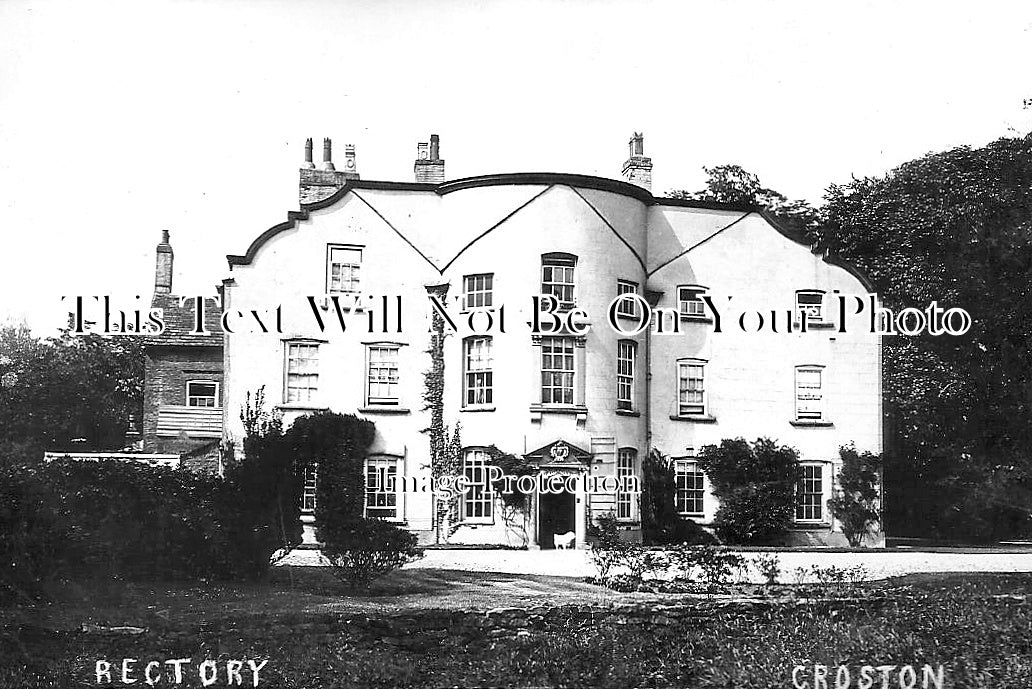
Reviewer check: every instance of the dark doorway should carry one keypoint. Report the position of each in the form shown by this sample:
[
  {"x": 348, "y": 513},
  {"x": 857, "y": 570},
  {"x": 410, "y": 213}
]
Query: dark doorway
[{"x": 556, "y": 515}]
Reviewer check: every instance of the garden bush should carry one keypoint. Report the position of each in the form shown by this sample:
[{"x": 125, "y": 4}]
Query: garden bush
[
  {"x": 755, "y": 484},
  {"x": 72, "y": 519},
  {"x": 606, "y": 546},
  {"x": 359, "y": 549},
  {"x": 365, "y": 549},
  {"x": 855, "y": 504}
]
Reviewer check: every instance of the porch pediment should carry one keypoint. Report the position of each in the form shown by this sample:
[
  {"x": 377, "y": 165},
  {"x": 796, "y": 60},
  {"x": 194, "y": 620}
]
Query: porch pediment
[{"x": 559, "y": 452}]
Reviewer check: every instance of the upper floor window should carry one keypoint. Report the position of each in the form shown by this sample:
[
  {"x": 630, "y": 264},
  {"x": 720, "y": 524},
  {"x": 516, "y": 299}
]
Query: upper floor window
[
  {"x": 477, "y": 291},
  {"x": 625, "y": 360},
  {"x": 557, "y": 278},
  {"x": 342, "y": 270},
  {"x": 691, "y": 387},
  {"x": 627, "y": 307},
  {"x": 690, "y": 487},
  {"x": 625, "y": 460},
  {"x": 810, "y": 494},
  {"x": 479, "y": 376},
  {"x": 689, "y": 301},
  {"x": 478, "y": 501},
  {"x": 810, "y": 302},
  {"x": 381, "y": 492},
  {"x": 557, "y": 370},
  {"x": 382, "y": 374},
  {"x": 202, "y": 393},
  {"x": 302, "y": 371},
  {"x": 809, "y": 382}
]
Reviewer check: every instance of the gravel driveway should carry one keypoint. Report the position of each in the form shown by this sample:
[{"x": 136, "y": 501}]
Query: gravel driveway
[{"x": 879, "y": 564}]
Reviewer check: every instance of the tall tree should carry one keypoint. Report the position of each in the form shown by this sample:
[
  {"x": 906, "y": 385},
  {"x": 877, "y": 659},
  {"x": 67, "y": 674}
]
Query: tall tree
[
  {"x": 733, "y": 184},
  {"x": 955, "y": 228},
  {"x": 66, "y": 392}
]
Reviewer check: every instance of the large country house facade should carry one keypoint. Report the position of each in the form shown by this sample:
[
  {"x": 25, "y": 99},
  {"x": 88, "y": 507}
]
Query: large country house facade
[{"x": 588, "y": 400}]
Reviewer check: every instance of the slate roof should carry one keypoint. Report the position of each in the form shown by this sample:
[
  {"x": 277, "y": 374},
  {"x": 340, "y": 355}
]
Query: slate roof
[{"x": 179, "y": 323}]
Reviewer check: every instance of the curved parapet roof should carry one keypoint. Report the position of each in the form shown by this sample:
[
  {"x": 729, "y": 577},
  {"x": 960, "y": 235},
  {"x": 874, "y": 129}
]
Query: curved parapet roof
[{"x": 605, "y": 184}]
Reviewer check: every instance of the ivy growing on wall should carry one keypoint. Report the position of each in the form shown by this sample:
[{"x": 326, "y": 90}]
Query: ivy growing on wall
[
  {"x": 515, "y": 503},
  {"x": 445, "y": 445}
]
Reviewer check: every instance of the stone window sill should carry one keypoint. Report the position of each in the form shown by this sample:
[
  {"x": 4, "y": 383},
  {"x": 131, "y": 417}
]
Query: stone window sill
[
  {"x": 302, "y": 406},
  {"x": 694, "y": 418},
  {"x": 559, "y": 409},
  {"x": 627, "y": 412},
  {"x": 478, "y": 409},
  {"x": 811, "y": 423},
  {"x": 696, "y": 319},
  {"x": 385, "y": 409},
  {"x": 814, "y": 325}
]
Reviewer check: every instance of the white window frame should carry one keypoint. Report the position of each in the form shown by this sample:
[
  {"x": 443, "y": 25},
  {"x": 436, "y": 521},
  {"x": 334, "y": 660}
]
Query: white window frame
[
  {"x": 686, "y": 407},
  {"x": 477, "y": 371},
  {"x": 809, "y": 502},
  {"x": 559, "y": 276},
  {"x": 385, "y": 374},
  {"x": 686, "y": 495},
  {"x": 477, "y": 503},
  {"x": 626, "y": 361},
  {"x": 354, "y": 280},
  {"x": 309, "y": 488},
  {"x": 383, "y": 496},
  {"x": 810, "y": 406},
  {"x": 477, "y": 291},
  {"x": 626, "y": 464},
  {"x": 814, "y": 309},
  {"x": 549, "y": 374},
  {"x": 689, "y": 301},
  {"x": 296, "y": 393},
  {"x": 215, "y": 398},
  {"x": 627, "y": 307}
]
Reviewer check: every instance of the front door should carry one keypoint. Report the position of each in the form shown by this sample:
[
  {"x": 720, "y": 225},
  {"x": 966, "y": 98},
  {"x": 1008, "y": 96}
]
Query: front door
[{"x": 556, "y": 515}]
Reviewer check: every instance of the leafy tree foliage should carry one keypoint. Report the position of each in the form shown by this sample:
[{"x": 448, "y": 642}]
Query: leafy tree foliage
[
  {"x": 955, "y": 228},
  {"x": 755, "y": 484},
  {"x": 66, "y": 392},
  {"x": 735, "y": 185}
]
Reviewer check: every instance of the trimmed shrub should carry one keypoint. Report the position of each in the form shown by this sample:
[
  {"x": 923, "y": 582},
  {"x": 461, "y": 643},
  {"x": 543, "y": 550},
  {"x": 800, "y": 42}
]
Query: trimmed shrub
[
  {"x": 368, "y": 549},
  {"x": 755, "y": 484},
  {"x": 359, "y": 549}
]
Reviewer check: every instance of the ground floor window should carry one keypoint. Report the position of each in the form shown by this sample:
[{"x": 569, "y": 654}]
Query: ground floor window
[
  {"x": 478, "y": 501},
  {"x": 688, "y": 499},
  {"x": 381, "y": 491},
  {"x": 810, "y": 494},
  {"x": 625, "y": 460},
  {"x": 308, "y": 490}
]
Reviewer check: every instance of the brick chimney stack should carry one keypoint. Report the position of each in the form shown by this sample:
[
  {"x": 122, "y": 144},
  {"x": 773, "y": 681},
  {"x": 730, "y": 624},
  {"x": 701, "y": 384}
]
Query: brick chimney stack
[
  {"x": 318, "y": 184},
  {"x": 429, "y": 165},
  {"x": 163, "y": 266},
  {"x": 638, "y": 168}
]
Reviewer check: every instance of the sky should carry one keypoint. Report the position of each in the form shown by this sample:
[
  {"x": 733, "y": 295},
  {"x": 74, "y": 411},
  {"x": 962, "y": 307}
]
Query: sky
[{"x": 120, "y": 120}]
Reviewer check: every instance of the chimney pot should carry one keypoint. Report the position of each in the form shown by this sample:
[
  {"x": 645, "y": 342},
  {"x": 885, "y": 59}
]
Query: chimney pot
[
  {"x": 309, "y": 165},
  {"x": 429, "y": 166},
  {"x": 163, "y": 266},
  {"x": 327, "y": 155}
]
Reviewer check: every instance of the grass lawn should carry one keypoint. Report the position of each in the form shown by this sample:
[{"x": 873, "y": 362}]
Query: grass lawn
[{"x": 428, "y": 628}]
